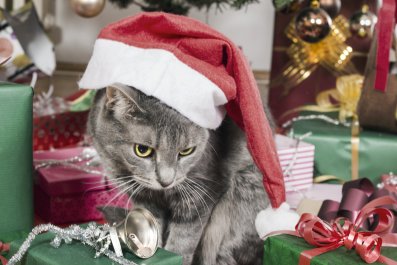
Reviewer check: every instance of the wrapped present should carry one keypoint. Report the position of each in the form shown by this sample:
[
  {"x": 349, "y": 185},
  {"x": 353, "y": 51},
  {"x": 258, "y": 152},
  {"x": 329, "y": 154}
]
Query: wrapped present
[
  {"x": 286, "y": 250},
  {"x": 296, "y": 159},
  {"x": 60, "y": 130},
  {"x": 357, "y": 230},
  {"x": 67, "y": 190},
  {"x": 42, "y": 253},
  {"x": 60, "y": 122},
  {"x": 344, "y": 153},
  {"x": 300, "y": 70},
  {"x": 16, "y": 207}
]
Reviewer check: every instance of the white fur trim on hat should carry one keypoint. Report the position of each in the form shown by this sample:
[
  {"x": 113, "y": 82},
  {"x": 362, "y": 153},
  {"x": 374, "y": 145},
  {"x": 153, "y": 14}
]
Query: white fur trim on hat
[
  {"x": 270, "y": 220},
  {"x": 158, "y": 73}
]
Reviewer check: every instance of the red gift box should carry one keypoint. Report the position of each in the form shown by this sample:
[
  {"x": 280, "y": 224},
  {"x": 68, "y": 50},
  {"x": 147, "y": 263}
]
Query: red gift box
[
  {"x": 59, "y": 130},
  {"x": 64, "y": 193}
]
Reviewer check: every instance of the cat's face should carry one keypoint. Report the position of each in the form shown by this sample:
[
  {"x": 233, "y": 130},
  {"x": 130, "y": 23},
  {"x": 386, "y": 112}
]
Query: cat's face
[{"x": 155, "y": 145}]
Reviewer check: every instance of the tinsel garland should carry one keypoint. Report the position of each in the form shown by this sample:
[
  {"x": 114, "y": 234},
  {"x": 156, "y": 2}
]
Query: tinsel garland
[{"x": 97, "y": 237}]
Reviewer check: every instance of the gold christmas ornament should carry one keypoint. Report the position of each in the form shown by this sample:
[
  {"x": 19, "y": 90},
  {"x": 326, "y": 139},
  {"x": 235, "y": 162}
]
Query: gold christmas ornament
[
  {"x": 362, "y": 23},
  {"x": 312, "y": 24},
  {"x": 87, "y": 8},
  {"x": 331, "y": 53}
]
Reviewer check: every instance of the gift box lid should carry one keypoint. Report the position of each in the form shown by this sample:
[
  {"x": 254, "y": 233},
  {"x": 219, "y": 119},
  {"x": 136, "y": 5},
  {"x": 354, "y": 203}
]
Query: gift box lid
[{"x": 61, "y": 180}]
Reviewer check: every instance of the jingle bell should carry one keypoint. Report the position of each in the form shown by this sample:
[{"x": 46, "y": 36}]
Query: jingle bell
[{"x": 139, "y": 233}]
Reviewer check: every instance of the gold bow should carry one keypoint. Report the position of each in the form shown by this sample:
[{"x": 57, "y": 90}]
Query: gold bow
[
  {"x": 344, "y": 98},
  {"x": 331, "y": 53}
]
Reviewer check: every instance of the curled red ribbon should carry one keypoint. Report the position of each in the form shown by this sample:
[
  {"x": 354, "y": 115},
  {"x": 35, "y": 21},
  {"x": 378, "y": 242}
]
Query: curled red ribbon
[
  {"x": 342, "y": 232},
  {"x": 3, "y": 248}
]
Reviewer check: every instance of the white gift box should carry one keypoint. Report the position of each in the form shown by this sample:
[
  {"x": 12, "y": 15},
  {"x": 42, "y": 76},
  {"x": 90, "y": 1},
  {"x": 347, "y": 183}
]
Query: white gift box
[{"x": 297, "y": 162}]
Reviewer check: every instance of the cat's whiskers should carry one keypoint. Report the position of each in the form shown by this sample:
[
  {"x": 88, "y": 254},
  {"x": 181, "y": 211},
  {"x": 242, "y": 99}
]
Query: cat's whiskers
[
  {"x": 213, "y": 149},
  {"x": 185, "y": 197},
  {"x": 107, "y": 184},
  {"x": 198, "y": 196},
  {"x": 122, "y": 192},
  {"x": 135, "y": 191},
  {"x": 202, "y": 189},
  {"x": 194, "y": 204}
]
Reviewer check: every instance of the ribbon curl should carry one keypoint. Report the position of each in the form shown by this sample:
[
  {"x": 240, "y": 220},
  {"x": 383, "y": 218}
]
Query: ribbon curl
[{"x": 342, "y": 232}]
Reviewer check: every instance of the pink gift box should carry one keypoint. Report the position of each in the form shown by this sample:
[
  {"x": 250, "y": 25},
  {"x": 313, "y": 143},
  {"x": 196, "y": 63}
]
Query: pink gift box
[
  {"x": 64, "y": 194},
  {"x": 297, "y": 162}
]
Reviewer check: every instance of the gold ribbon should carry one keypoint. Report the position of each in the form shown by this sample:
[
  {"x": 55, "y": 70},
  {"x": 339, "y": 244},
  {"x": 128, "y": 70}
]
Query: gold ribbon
[
  {"x": 344, "y": 98},
  {"x": 332, "y": 53}
]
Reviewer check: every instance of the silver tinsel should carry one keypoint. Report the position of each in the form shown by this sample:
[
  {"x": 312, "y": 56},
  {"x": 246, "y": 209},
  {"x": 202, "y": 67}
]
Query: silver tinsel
[
  {"x": 89, "y": 156},
  {"x": 95, "y": 236},
  {"x": 316, "y": 117}
]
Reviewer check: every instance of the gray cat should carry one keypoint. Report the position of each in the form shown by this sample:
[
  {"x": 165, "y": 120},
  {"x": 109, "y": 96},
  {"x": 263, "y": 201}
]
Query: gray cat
[{"x": 200, "y": 184}]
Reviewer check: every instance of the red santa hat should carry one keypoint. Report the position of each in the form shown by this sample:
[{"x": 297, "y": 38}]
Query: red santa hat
[{"x": 193, "y": 69}]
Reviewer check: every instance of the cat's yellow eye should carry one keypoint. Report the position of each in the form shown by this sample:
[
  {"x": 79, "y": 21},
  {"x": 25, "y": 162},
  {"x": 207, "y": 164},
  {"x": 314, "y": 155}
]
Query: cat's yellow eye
[
  {"x": 143, "y": 150},
  {"x": 187, "y": 151}
]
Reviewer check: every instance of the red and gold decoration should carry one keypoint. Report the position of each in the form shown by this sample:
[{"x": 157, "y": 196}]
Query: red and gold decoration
[{"x": 313, "y": 48}]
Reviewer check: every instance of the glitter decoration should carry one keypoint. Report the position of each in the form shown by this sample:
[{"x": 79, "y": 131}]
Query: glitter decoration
[
  {"x": 95, "y": 236},
  {"x": 316, "y": 117},
  {"x": 88, "y": 161}
]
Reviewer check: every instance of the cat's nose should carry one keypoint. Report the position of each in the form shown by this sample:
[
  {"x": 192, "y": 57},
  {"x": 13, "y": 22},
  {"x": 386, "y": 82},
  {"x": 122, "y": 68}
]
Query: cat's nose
[
  {"x": 165, "y": 175},
  {"x": 166, "y": 182}
]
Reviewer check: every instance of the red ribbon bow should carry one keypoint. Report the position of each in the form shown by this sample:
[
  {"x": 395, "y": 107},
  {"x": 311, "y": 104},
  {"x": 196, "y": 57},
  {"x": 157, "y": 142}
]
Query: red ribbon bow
[
  {"x": 3, "y": 248},
  {"x": 341, "y": 232}
]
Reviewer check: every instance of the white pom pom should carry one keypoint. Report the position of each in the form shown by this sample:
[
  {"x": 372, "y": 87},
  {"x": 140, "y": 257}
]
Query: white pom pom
[{"x": 270, "y": 220}]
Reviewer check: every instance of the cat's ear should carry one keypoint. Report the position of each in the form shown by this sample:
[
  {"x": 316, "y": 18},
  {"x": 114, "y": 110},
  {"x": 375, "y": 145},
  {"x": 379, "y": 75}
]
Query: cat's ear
[
  {"x": 122, "y": 99},
  {"x": 113, "y": 214}
]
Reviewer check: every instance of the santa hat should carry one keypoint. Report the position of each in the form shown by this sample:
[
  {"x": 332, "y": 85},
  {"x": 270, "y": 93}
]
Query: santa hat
[{"x": 193, "y": 69}]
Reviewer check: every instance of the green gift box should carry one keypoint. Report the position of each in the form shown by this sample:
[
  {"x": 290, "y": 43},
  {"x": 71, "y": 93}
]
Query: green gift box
[
  {"x": 286, "y": 250},
  {"x": 42, "y": 253},
  {"x": 16, "y": 203},
  {"x": 333, "y": 156}
]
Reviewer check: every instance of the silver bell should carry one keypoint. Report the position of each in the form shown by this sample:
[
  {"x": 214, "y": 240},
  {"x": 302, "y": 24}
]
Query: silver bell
[{"x": 139, "y": 232}]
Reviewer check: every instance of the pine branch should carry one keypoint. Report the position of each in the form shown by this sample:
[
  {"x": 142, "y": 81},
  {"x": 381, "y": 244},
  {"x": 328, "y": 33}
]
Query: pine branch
[
  {"x": 182, "y": 6},
  {"x": 280, "y": 4}
]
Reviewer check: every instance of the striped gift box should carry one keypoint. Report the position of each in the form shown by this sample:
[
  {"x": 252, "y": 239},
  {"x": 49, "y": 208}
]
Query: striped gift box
[{"x": 297, "y": 162}]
